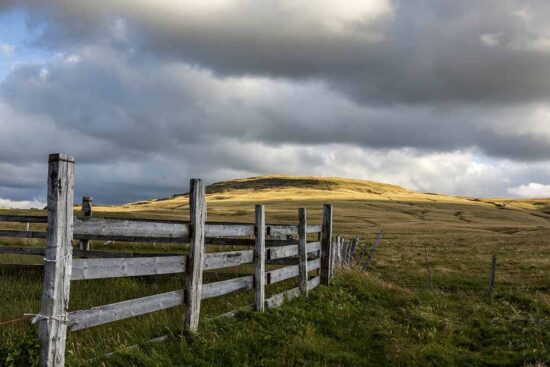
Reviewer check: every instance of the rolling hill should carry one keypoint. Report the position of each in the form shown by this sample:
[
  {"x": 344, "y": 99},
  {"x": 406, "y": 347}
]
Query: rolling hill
[{"x": 388, "y": 315}]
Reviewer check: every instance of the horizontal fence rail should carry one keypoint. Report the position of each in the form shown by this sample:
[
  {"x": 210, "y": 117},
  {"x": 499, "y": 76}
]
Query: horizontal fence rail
[
  {"x": 84, "y": 269},
  {"x": 211, "y": 290},
  {"x": 123, "y": 310},
  {"x": 269, "y": 249},
  {"x": 279, "y": 298}
]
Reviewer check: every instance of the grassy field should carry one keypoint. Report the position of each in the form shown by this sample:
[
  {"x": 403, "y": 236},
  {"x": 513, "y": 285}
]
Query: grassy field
[{"x": 387, "y": 316}]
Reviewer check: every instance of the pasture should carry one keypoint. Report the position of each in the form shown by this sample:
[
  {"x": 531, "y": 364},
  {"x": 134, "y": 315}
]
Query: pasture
[{"x": 387, "y": 315}]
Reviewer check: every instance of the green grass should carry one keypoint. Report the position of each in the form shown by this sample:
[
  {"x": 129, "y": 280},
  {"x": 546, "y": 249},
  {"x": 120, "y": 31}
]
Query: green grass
[
  {"x": 364, "y": 321},
  {"x": 387, "y": 316}
]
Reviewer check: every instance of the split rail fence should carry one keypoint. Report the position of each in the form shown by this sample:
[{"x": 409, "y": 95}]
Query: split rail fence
[{"x": 272, "y": 244}]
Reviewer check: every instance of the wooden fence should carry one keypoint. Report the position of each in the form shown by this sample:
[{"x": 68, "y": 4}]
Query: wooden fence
[{"x": 271, "y": 243}]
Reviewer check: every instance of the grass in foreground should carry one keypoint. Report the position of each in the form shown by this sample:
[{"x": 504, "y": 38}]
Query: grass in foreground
[{"x": 362, "y": 321}]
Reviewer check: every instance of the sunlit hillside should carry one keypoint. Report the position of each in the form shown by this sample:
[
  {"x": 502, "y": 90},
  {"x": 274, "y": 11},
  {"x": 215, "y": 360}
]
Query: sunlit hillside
[{"x": 304, "y": 188}]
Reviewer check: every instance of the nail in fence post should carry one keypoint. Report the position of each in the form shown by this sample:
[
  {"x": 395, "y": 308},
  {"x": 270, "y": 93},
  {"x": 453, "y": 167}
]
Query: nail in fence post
[
  {"x": 326, "y": 245},
  {"x": 195, "y": 263},
  {"x": 259, "y": 259},
  {"x": 302, "y": 251},
  {"x": 58, "y": 258},
  {"x": 86, "y": 214}
]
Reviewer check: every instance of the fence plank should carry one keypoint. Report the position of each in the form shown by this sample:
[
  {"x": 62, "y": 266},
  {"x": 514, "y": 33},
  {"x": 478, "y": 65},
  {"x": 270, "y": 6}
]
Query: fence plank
[
  {"x": 193, "y": 279},
  {"x": 302, "y": 252},
  {"x": 123, "y": 310},
  {"x": 326, "y": 242},
  {"x": 22, "y": 234},
  {"x": 229, "y": 230},
  {"x": 86, "y": 215},
  {"x": 281, "y": 252},
  {"x": 278, "y": 275},
  {"x": 57, "y": 268},
  {"x": 313, "y": 247},
  {"x": 126, "y": 267},
  {"x": 274, "y": 253},
  {"x": 216, "y": 241},
  {"x": 259, "y": 259},
  {"x": 129, "y": 230},
  {"x": 313, "y": 264},
  {"x": 24, "y": 218},
  {"x": 220, "y": 260},
  {"x": 314, "y": 282},
  {"x": 279, "y": 298},
  {"x": 281, "y": 230},
  {"x": 217, "y": 289}
]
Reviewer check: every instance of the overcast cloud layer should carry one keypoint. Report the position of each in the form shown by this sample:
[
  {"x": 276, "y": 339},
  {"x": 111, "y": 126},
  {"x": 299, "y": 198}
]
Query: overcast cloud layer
[{"x": 437, "y": 96}]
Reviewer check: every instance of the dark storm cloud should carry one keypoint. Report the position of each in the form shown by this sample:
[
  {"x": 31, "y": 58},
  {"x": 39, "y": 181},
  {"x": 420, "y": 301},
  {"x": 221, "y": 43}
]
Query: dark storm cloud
[
  {"x": 392, "y": 52},
  {"x": 147, "y": 95}
]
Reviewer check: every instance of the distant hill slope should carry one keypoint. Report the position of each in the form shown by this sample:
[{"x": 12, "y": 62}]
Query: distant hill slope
[
  {"x": 284, "y": 191},
  {"x": 289, "y": 188}
]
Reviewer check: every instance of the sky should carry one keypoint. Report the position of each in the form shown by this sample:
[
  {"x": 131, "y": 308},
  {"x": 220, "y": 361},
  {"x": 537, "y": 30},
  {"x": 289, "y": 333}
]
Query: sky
[{"x": 437, "y": 96}]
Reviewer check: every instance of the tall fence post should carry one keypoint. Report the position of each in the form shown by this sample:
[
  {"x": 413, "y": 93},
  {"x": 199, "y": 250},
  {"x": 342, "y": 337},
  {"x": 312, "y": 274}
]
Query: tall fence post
[
  {"x": 338, "y": 252},
  {"x": 326, "y": 242},
  {"x": 302, "y": 251},
  {"x": 86, "y": 214},
  {"x": 259, "y": 259},
  {"x": 195, "y": 264},
  {"x": 53, "y": 315},
  {"x": 492, "y": 277}
]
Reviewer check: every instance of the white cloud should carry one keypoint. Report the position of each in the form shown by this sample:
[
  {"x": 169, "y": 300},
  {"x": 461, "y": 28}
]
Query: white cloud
[
  {"x": 532, "y": 190},
  {"x": 6, "y": 49},
  {"x": 23, "y": 204},
  {"x": 490, "y": 39}
]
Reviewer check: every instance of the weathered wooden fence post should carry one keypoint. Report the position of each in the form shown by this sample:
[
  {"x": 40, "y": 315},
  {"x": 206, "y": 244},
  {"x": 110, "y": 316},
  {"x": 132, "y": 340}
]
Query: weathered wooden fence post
[
  {"x": 86, "y": 214},
  {"x": 337, "y": 252},
  {"x": 326, "y": 245},
  {"x": 195, "y": 263},
  {"x": 259, "y": 259},
  {"x": 492, "y": 277},
  {"x": 53, "y": 315},
  {"x": 428, "y": 267},
  {"x": 302, "y": 250}
]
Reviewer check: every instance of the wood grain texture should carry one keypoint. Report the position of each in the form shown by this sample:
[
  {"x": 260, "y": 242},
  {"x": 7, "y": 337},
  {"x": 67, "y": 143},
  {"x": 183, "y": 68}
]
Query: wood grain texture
[
  {"x": 123, "y": 310},
  {"x": 57, "y": 269},
  {"x": 302, "y": 251},
  {"x": 281, "y": 252},
  {"x": 126, "y": 267},
  {"x": 224, "y": 287},
  {"x": 129, "y": 230},
  {"x": 326, "y": 242},
  {"x": 259, "y": 260},
  {"x": 193, "y": 283},
  {"x": 220, "y": 260},
  {"x": 278, "y": 275}
]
